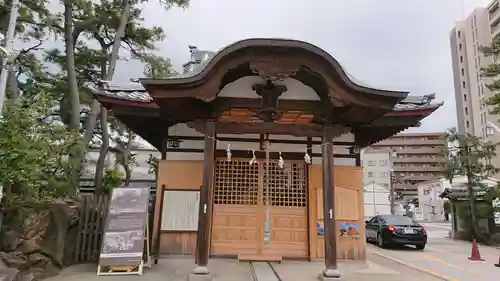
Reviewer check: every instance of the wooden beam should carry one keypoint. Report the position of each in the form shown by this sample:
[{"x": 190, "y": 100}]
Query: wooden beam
[
  {"x": 225, "y": 103},
  {"x": 297, "y": 130},
  {"x": 330, "y": 270},
  {"x": 205, "y": 210}
]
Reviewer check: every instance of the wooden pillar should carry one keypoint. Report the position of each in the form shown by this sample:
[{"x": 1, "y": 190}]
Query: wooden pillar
[
  {"x": 205, "y": 210},
  {"x": 358, "y": 159},
  {"x": 160, "y": 188},
  {"x": 330, "y": 271}
]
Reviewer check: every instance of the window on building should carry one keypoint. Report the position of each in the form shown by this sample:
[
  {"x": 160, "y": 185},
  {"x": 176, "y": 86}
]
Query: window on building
[
  {"x": 463, "y": 84},
  {"x": 467, "y": 124},
  {"x": 460, "y": 47},
  {"x": 461, "y": 59},
  {"x": 383, "y": 162},
  {"x": 465, "y": 97},
  {"x": 370, "y": 174},
  {"x": 458, "y": 34},
  {"x": 463, "y": 72},
  {"x": 384, "y": 174},
  {"x": 371, "y": 163},
  {"x": 466, "y": 111}
]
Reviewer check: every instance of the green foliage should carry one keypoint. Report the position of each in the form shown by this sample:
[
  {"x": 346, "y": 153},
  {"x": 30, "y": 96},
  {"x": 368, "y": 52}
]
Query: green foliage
[
  {"x": 470, "y": 156},
  {"x": 34, "y": 151},
  {"x": 157, "y": 67},
  {"x": 112, "y": 179},
  {"x": 492, "y": 71},
  {"x": 95, "y": 25},
  {"x": 468, "y": 151}
]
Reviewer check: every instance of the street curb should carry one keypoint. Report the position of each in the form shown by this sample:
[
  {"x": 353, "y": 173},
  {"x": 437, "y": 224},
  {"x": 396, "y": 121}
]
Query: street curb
[{"x": 434, "y": 274}]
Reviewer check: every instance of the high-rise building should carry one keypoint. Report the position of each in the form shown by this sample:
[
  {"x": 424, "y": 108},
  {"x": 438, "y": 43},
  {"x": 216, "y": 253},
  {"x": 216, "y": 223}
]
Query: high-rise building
[
  {"x": 414, "y": 158},
  {"x": 471, "y": 91},
  {"x": 494, "y": 16}
]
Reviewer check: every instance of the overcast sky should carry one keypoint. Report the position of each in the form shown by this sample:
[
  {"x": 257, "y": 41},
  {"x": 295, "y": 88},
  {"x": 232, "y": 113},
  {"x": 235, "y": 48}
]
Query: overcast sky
[{"x": 393, "y": 44}]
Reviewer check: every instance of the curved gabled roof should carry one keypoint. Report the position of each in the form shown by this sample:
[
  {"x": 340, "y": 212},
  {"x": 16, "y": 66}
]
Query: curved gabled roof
[{"x": 278, "y": 45}]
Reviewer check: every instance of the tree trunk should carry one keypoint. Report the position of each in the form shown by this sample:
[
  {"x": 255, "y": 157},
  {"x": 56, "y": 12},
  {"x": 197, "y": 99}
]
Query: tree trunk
[
  {"x": 126, "y": 165},
  {"x": 103, "y": 152},
  {"x": 12, "y": 86},
  {"x": 113, "y": 58},
  {"x": 472, "y": 200},
  {"x": 74, "y": 97}
]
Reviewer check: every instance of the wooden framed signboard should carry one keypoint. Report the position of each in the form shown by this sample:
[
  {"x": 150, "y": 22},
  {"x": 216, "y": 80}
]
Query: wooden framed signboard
[
  {"x": 180, "y": 210},
  {"x": 125, "y": 233}
]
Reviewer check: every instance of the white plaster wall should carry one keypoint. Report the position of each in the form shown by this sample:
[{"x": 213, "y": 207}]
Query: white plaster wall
[
  {"x": 430, "y": 204},
  {"x": 242, "y": 88},
  {"x": 376, "y": 198}
]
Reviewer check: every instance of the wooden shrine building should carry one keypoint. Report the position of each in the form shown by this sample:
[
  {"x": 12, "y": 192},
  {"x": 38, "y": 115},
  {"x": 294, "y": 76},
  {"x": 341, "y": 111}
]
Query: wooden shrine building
[{"x": 267, "y": 98}]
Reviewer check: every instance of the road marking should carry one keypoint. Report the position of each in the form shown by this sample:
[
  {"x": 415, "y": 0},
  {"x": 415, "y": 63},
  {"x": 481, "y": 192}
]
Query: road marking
[
  {"x": 449, "y": 264},
  {"x": 436, "y": 250},
  {"x": 410, "y": 265}
]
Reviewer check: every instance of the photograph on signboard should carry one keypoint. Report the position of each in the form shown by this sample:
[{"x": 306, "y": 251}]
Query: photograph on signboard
[
  {"x": 130, "y": 242},
  {"x": 128, "y": 200},
  {"x": 124, "y": 232}
]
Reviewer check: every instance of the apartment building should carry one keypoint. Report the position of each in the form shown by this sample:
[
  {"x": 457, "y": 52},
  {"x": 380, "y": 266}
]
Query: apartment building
[
  {"x": 376, "y": 167},
  {"x": 471, "y": 93},
  {"x": 412, "y": 158},
  {"x": 494, "y": 17}
]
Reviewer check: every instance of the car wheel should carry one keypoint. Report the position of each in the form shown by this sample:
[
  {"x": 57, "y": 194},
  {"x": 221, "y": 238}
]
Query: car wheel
[
  {"x": 420, "y": 246},
  {"x": 380, "y": 241}
]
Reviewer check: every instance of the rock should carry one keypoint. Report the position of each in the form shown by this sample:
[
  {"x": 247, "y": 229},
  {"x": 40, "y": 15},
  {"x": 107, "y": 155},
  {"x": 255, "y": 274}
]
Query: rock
[
  {"x": 10, "y": 241},
  {"x": 40, "y": 273},
  {"x": 31, "y": 245},
  {"x": 3, "y": 265},
  {"x": 38, "y": 260},
  {"x": 16, "y": 260},
  {"x": 57, "y": 231},
  {"x": 27, "y": 277},
  {"x": 10, "y": 274}
]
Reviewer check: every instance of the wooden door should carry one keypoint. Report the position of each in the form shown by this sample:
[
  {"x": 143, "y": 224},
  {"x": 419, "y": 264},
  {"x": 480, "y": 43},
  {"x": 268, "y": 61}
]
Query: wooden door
[
  {"x": 242, "y": 200},
  {"x": 287, "y": 210}
]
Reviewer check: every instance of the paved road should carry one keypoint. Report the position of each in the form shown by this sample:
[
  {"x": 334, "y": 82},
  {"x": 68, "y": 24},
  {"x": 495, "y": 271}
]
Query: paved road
[{"x": 447, "y": 258}]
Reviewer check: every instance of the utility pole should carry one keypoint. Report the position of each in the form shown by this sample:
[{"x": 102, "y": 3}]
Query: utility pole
[
  {"x": 392, "y": 154},
  {"x": 9, "y": 44}
]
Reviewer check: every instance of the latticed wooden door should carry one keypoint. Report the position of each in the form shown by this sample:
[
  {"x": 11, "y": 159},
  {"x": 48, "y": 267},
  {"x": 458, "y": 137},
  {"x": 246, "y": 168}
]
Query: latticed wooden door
[
  {"x": 244, "y": 201},
  {"x": 286, "y": 194}
]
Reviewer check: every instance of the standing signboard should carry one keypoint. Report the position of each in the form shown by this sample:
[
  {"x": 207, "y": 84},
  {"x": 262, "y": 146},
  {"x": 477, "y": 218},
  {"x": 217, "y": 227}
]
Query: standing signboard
[{"x": 125, "y": 232}]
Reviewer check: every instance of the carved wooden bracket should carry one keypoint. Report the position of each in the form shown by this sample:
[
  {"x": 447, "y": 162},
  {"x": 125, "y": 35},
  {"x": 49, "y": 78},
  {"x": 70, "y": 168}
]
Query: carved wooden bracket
[
  {"x": 274, "y": 69},
  {"x": 270, "y": 93}
]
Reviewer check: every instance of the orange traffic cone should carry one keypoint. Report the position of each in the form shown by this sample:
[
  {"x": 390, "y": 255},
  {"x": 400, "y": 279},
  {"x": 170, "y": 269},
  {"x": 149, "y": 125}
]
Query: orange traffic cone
[{"x": 475, "y": 255}]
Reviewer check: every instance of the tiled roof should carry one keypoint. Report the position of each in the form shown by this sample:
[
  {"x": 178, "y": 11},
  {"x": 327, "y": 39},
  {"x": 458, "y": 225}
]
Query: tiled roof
[{"x": 134, "y": 91}]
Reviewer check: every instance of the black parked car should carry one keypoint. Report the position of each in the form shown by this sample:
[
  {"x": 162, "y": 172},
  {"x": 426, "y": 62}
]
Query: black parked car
[{"x": 389, "y": 230}]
